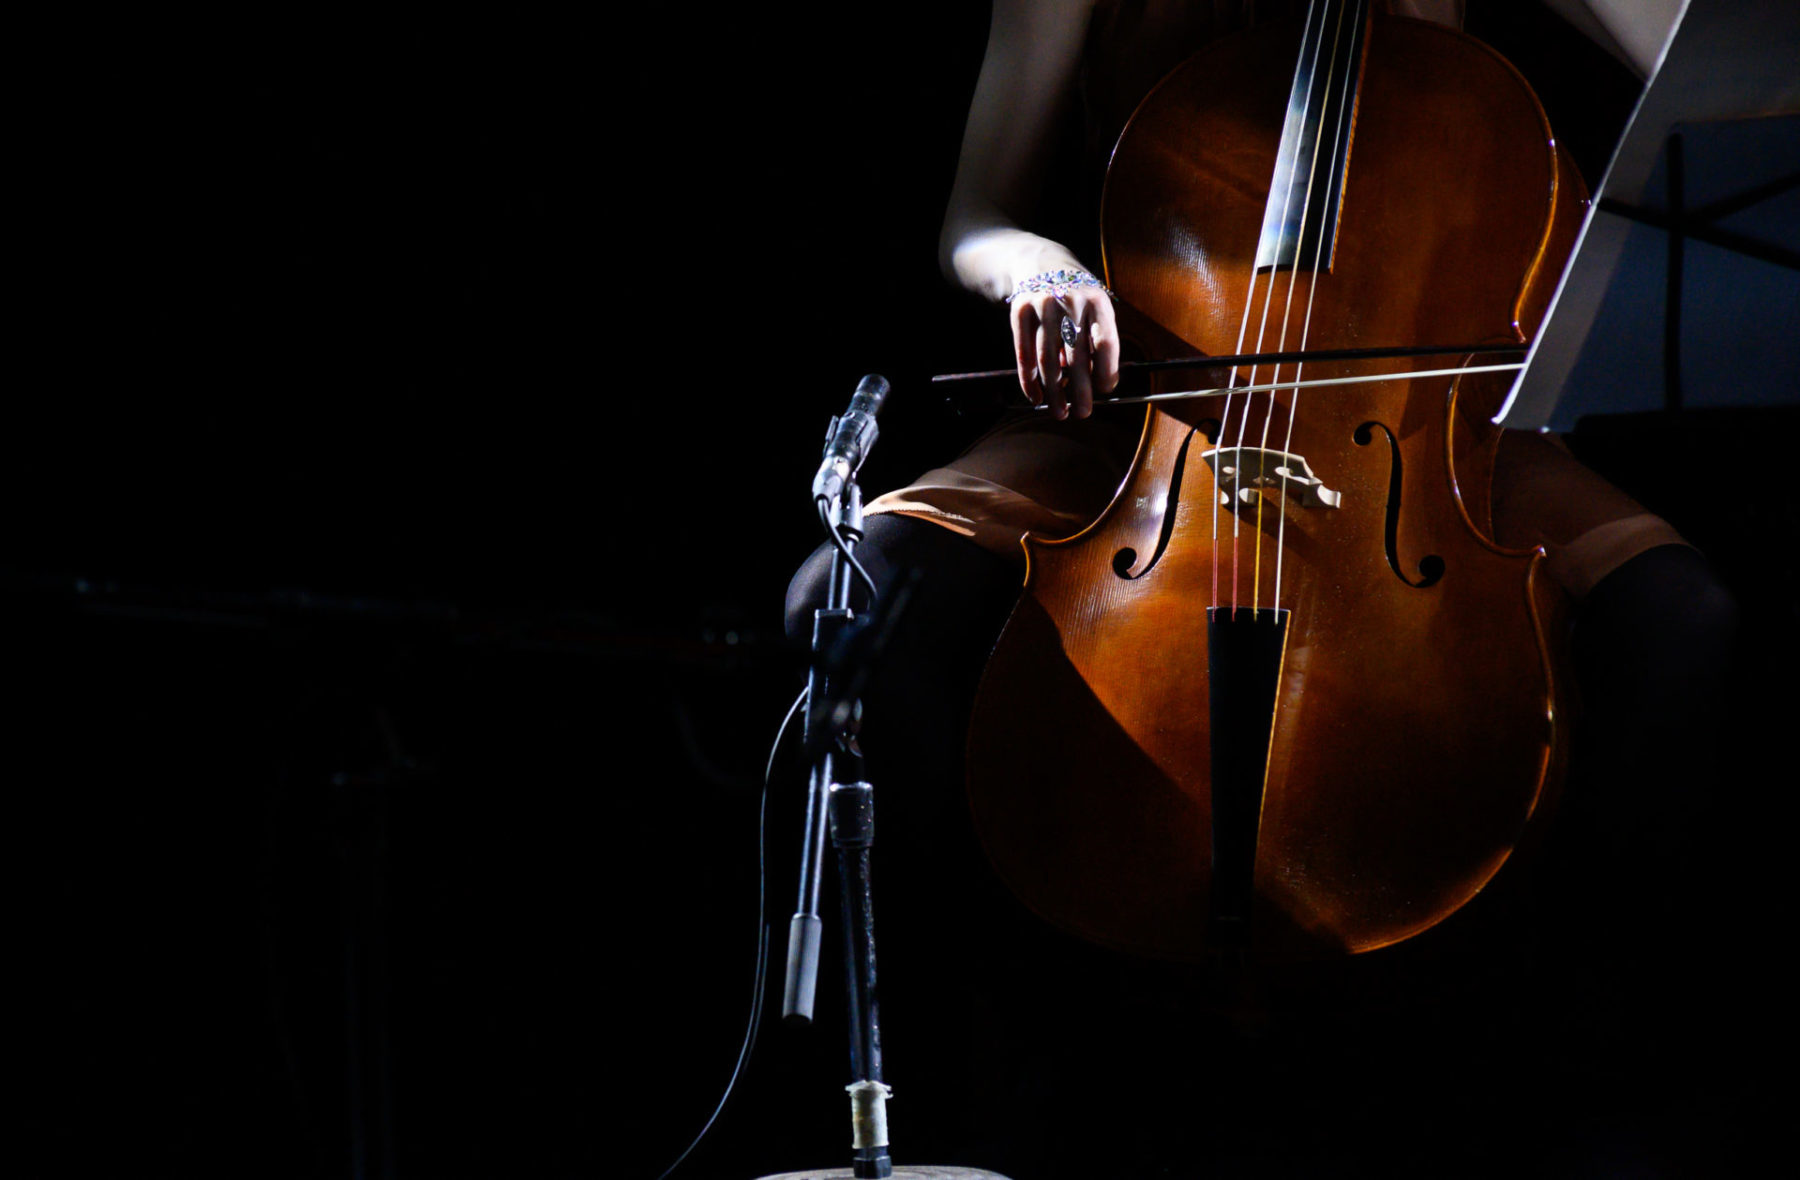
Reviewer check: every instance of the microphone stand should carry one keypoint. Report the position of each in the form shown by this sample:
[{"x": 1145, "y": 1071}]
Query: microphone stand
[
  {"x": 840, "y": 802},
  {"x": 847, "y": 811}
]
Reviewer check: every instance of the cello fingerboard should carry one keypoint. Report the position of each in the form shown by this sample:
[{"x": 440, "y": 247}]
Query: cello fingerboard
[{"x": 1300, "y": 219}]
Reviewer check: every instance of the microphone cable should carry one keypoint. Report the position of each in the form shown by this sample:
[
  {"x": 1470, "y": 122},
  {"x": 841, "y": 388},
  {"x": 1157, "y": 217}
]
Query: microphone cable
[
  {"x": 762, "y": 939},
  {"x": 843, "y": 546}
]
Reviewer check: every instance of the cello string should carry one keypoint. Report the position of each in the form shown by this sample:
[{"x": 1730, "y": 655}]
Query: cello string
[
  {"x": 1301, "y": 68},
  {"x": 1287, "y": 442},
  {"x": 1326, "y": 112},
  {"x": 1307, "y": 63}
]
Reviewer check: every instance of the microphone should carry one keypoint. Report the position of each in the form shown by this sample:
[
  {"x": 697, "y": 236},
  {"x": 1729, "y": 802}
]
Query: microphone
[{"x": 849, "y": 438}]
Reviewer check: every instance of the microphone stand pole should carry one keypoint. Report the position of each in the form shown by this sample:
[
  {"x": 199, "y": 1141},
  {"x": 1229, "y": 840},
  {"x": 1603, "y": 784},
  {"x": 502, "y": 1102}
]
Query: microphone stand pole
[{"x": 847, "y": 811}]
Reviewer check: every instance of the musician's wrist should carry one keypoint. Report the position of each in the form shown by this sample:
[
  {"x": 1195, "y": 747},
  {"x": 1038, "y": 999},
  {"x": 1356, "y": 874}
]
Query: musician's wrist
[{"x": 1059, "y": 283}]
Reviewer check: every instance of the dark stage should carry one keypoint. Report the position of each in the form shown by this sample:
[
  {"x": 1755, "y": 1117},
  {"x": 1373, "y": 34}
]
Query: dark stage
[{"x": 406, "y": 465}]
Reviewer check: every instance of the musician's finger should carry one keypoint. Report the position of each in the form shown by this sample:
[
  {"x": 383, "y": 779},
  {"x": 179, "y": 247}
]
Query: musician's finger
[
  {"x": 1025, "y": 332},
  {"x": 1049, "y": 359},
  {"x": 1103, "y": 343},
  {"x": 1081, "y": 385}
]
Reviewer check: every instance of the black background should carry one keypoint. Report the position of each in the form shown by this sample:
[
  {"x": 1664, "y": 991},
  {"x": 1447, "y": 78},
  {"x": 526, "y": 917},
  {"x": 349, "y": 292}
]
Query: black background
[{"x": 428, "y": 401}]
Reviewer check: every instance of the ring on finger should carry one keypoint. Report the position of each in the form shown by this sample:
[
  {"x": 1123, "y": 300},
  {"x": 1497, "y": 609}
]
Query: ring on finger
[{"x": 1070, "y": 328}]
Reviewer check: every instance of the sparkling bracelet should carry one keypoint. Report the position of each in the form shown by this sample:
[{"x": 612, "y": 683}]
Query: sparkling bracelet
[{"x": 1057, "y": 282}]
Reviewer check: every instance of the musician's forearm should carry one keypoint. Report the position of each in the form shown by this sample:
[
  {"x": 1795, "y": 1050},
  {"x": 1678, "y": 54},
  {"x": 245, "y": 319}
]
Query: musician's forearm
[
  {"x": 990, "y": 259},
  {"x": 1022, "y": 98}
]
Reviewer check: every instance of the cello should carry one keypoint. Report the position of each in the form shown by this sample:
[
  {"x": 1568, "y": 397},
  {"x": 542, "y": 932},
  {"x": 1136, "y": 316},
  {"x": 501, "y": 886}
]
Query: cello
[{"x": 1285, "y": 695}]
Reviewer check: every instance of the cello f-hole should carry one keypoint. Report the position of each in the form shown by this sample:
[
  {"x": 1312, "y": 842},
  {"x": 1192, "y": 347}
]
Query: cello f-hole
[
  {"x": 1431, "y": 566},
  {"x": 1125, "y": 558}
]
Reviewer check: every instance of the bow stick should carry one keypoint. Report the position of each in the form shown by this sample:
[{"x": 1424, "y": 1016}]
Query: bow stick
[{"x": 1272, "y": 358}]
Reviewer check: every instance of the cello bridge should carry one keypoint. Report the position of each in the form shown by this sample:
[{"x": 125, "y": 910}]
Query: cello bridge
[{"x": 1240, "y": 472}]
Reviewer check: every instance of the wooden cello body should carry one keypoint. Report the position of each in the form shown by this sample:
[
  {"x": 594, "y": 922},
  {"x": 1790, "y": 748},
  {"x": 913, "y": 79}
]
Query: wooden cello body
[{"x": 1285, "y": 694}]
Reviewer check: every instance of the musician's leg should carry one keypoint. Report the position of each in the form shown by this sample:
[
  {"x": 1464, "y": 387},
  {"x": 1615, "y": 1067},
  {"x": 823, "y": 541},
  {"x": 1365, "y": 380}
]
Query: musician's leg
[
  {"x": 1653, "y": 623},
  {"x": 950, "y": 620},
  {"x": 1634, "y": 875},
  {"x": 1652, "y": 632},
  {"x": 1651, "y": 643}
]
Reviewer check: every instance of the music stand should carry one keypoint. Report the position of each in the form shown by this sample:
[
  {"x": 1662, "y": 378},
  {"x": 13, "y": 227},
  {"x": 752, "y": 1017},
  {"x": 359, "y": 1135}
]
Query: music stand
[{"x": 1724, "y": 63}]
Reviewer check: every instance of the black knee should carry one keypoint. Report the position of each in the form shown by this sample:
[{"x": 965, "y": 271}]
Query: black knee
[
  {"x": 809, "y": 589},
  {"x": 1662, "y": 623},
  {"x": 960, "y": 587}
]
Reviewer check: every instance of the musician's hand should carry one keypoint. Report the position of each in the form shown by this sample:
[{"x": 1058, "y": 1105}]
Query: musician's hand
[{"x": 1066, "y": 374}]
